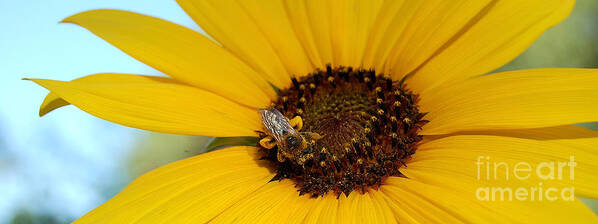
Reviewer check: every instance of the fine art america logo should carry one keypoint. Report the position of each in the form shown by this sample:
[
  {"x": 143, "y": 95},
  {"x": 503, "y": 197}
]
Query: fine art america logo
[{"x": 523, "y": 181}]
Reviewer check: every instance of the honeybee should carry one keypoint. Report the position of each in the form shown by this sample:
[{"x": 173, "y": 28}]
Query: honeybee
[{"x": 281, "y": 132}]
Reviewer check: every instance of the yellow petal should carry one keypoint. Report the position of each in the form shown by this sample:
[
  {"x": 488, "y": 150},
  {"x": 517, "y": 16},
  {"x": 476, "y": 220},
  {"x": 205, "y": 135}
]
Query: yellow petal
[
  {"x": 405, "y": 214},
  {"x": 301, "y": 22},
  {"x": 157, "y": 104},
  {"x": 408, "y": 33},
  {"x": 416, "y": 202},
  {"x": 351, "y": 23},
  {"x": 318, "y": 16},
  {"x": 194, "y": 190},
  {"x": 178, "y": 52},
  {"x": 334, "y": 32},
  {"x": 278, "y": 201},
  {"x": 513, "y": 100},
  {"x": 356, "y": 208},
  {"x": 391, "y": 21},
  {"x": 451, "y": 163},
  {"x": 498, "y": 33},
  {"x": 325, "y": 210},
  {"x": 382, "y": 207},
  {"x": 258, "y": 32},
  {"x": 271, "y": 17},
  {"x": 275, "y": 202},
  {"x": 514, "y": 150},
  {"x": 53, "y": 101},
  {"x": 570, "y": 133}
]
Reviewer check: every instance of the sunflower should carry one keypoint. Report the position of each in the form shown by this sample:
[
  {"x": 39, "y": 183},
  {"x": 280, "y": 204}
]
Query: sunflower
[{"x": 365, "y": 112}]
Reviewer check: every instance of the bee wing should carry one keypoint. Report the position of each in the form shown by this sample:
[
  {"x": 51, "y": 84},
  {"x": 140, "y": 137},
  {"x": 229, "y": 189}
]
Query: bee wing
[{"x": 276, "y": 124}]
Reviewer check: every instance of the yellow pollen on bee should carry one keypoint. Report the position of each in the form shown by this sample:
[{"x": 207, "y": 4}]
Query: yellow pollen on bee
[{"x": 302, "y": 160}]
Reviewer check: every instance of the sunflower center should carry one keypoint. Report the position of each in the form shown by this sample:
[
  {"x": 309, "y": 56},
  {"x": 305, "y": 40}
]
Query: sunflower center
[{"x": 358, "y": 128}]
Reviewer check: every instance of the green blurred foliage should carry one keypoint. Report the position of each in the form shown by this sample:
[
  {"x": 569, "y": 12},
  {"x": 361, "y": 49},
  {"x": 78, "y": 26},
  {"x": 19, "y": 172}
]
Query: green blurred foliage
[
  {"x": 573, "y": 43},
  {"x": 225, "y": 142},
  {"x": 25, "y": 217},
  {"x": 591, "y": 203}
]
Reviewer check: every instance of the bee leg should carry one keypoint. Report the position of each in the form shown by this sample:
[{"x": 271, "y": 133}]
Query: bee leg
[
  {"x": 313, "y": 135},
  {"x": 267, "y": 142},
  {"x": 301, "y": 160},
  {"x": 280, "y": 157},
  {"x": 304, "y": 158},
  {"x": 260, "y": 133},
  {"x": 297, "y": 122}
]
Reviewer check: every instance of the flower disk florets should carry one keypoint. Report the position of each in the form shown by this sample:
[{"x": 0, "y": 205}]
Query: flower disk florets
[{"x": 367, "y": 126}]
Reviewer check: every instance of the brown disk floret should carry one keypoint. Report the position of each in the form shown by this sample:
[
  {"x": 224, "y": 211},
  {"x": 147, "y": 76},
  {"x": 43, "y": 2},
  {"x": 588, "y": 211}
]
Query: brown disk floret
[{"x": 369, "y": 125}]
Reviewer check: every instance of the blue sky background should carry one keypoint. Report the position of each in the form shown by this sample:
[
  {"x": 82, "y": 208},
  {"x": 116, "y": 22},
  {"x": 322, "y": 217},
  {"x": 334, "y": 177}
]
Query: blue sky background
[
  {"x": 68, "y": 162},
  {"x": 64, "y": 162}
]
